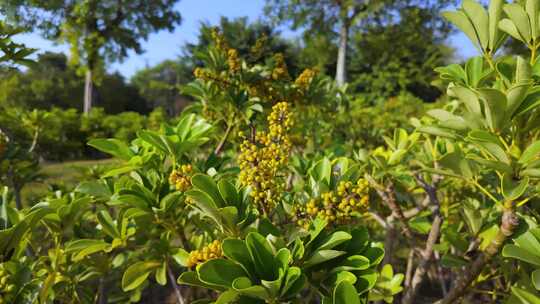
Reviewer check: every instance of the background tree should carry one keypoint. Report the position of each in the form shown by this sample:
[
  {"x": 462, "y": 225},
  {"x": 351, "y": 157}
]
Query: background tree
[
  {"x": 325, "y": 16},
  {"x": 159, "y": 84},
  {"x": 243, "y": 36},
  {"x": 398, "y": 53},
  {"x": 52, "y": 82},
  {"x": 98, "y": 31}
]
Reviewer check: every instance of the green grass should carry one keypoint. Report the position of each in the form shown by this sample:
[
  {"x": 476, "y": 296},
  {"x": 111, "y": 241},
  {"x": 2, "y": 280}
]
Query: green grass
[{"x": 65, "y": 175}]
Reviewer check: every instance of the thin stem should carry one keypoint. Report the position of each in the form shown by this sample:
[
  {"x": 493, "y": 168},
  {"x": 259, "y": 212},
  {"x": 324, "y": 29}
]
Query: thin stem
[
  {"x": 221, "y": 144},
  {"x": 433, "y": 236},
  {"x": 485, "y": 191},
  {"x": 177, "y": 292}
]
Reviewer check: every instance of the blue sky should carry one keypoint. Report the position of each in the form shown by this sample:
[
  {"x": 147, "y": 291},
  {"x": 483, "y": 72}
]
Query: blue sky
[{"x": 164, "y": 45}]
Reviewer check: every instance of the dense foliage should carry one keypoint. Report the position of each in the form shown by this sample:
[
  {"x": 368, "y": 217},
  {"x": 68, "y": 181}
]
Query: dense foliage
[{"x": 276, "y": 186}]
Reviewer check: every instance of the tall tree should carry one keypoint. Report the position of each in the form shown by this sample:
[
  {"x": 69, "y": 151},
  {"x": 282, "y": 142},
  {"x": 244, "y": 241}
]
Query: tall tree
[
  {"x": 399, "y": 53},
  {"x": 97, "y": 31},
  {"x": 325, "y": 16},
  {"x": 244, "y": 36}
]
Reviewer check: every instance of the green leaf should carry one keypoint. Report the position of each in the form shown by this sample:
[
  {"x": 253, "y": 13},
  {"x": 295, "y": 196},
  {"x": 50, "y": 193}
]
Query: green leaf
[
  {"x": 161, "y": 274},
  {"x": 220, "y": 272},
  {"x": 228, "y": 297},
  {"x": 345, "y": 293},
  {"x": 244, "y": 286},
  {"x": 137, "y": 273},
  {"x": 353, "y": 263},
  {"x": 535, "y": 277},
  {"x": 113, "y": 147},
  {"x": 237, "y": 251},
  {"x": 511, "y": 189},
  {"x": 532, "y": 7},
  {"x": 157, "y": 141},
  {"x": 262, "y": 256},
  {"x": 420, "y": 224},
  {"x": 334, "y": 240},
  {"x": 322, "y": 256},
  {"x": 207, "y": 185},
  {"x": 85, "y": 247},
  {"x": 519, "y": 18},
  {"x": 531, "y": 101},
  {"x": 228, "y": 193},
  {"x": 94, "y": 188},
  {"x": 495, "y": 13},
  {"x": 532, "y": 152},
  {"x": 437, "y": 131},
  {"x": 184, "y": 126},
  {"x": 468, "y": 98},
  {"x": 513, "y": 251},
  {"x": 479, "y": 17},
  {"x": 463, "y": 22},
  {"x": 322, "y": 171},
  {"x": 107, "y": 224},
  {"x": 495, "y": 106},
  {"x": 525, "y": 296},
  {"x": 516, "y": 95},
  {"x": 451, "y": 261},
  {"x": 375, "y": 255}
]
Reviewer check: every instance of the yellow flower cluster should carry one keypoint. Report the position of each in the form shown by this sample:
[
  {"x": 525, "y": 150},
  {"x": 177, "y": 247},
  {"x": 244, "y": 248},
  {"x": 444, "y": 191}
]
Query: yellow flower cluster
[
  {"x": 219, "y": 40},
  {"x": 280, "y": 71},
  {"x": 304, "y": 79},
  {"x": 233, "y": 61},
  {"x": 6, "y": 286},
  {"x": 211, "y": 251},
  {"x": 261, "y": 160},
  {"x": 257, "y": 49},
  {"x": 181, "y": 179},
  {"x": 337, "y": 207}
]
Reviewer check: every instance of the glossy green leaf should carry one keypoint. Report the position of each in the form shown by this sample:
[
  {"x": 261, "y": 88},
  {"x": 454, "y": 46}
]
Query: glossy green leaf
[
  {"x": 113, "y": 147},
  {"x": 220, "y": 272},
  {"x": 322, "y": 256},
  {"x": 532, "y": 152},
  {"x": 345, "y": 293},
  {"x": 137, "y": 273},
  {"x": 513, "y": 251},
  {"x": 262, "y": 256}
]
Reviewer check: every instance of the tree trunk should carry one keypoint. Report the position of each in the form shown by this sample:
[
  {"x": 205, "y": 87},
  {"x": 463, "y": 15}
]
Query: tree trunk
[
  {"x": 341, "y": 73},
  {"x": 88, "y": 91}
]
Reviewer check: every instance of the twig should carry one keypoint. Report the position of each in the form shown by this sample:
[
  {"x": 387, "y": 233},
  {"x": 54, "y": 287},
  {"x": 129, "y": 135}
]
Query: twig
[
  {"x": 409, "y": 270},
  {"x": 179, "y": 297},
  {"x": 509, "y": 222},
  {"x": 388, "y": 196},
  {"x": 439, "y": 271},
  {"x": 221, "y": 144},
  {"x": 433, "y": 236},
  {"x": 102, "y": 292}
]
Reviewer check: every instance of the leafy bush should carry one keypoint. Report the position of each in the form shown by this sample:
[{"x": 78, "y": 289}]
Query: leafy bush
[{"x": 259, "y": 194}]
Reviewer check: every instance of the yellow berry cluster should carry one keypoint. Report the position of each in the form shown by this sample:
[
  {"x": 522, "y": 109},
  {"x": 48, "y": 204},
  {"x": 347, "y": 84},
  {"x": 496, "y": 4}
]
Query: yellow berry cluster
[
  {"x": 181, "y": 179},
  {"x": 257, "y": 49},
  {"x": 338, "y": 206},
  {"x": 261, "y": 160},
  {"x": 6, "y": 287},
  {"x": 233, "y": 61},
  {"x": 219, "y": 39},
  {"x": 304, "y": 79},
  {"x": 280, "y": 71},
  {"x": 211, "y": 251}
]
